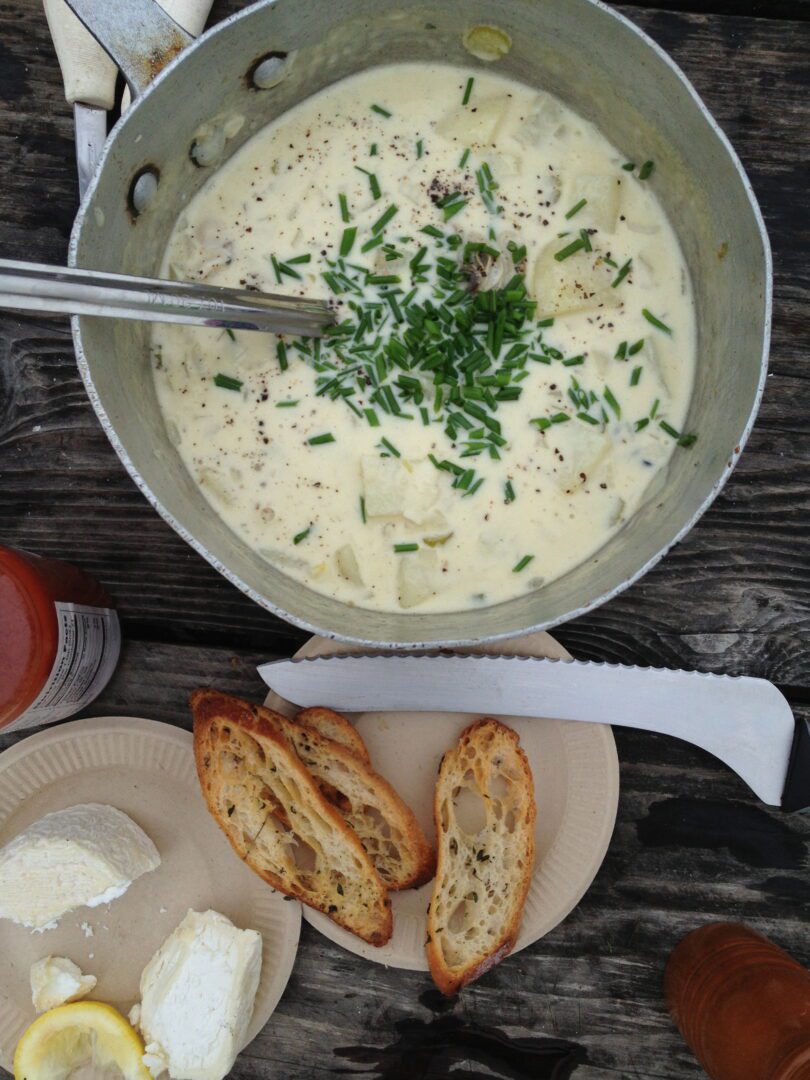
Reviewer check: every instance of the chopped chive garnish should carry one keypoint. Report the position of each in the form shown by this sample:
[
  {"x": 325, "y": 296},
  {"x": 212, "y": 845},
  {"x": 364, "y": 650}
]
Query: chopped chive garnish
[
  {"x": 281, "y": 353},
  {"x": 453, "y": 208},
  {"x": 372, "y": 150},
  {"x": 574, "y": 361},
  {"x": 347, "y": 240},
  {"x": 227, "y": 382},
  {"x": 575, "y": 209},
  {"x": 363, "y": 509},
  {"x": 230, "y": 333},
  {"x": 641, "y": 424},
  {"x": 344, "y": 207},
  {"x": 509, "y": 492},
  {"x": 276, "y": 269},
  {"x": 613, "y": 403},
  {"x": 687, "y": 440},
  {"x": 302, "y": 535},
  {"x": 637, "y": 346},
  {"x": 669, "y": 429},
  {"x": 636, "y": 376},
  {"x": 383, "y": 279},
  {"x": 467, "y": 90},
  {"x": 431, "y": 230},
  {"x": 383, "y": 219},
  {"x": 286, "y": 404},
  {"x": 622, "y": 274},
  {"x": 400, "y": 549},
  {"x": 621, "y": 351},
  {"x": 390, "y": 447},
  {"x": 373, "y": 183},
  {"x": 375, "y": 241},
  {"x": 586, "y": 239},
  {"x": 588, "y": 419},
  {"x": 379, "y": 109},
  {"x": 465, "y": 157},
  {"x": 320, "y": 440},
  {"x": 546, "y": 322},
  {"x": 371, "y": 416},
  {"x": 646, "y": 169},
  {"x": 629, "y": 166},
  {"x": 524, "y": 562},
  {"x": 299, "y": 259},
  {"x": 420, "y": 148},
  {"x": 571, "y": 249},
  {"x": 653, "y": 321}
]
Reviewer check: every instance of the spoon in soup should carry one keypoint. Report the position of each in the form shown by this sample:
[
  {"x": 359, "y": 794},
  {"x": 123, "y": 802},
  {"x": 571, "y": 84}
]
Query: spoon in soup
[{"x": 61, "y": 290}]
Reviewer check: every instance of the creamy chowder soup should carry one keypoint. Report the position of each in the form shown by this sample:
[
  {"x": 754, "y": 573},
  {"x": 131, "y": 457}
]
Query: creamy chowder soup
[{"x": 513, "y": 353}]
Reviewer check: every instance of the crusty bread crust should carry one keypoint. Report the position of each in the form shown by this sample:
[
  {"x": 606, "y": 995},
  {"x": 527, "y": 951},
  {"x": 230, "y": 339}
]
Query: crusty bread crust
[
  {"x": 333, "y": 726},
  {"x": 386, "y": 826},
  {"x": 250, "y": 777},
  {"x": 482, "y": 879}
]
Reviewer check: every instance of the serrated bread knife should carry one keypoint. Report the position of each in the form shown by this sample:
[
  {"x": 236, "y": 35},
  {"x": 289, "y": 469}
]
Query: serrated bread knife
[{"x": 745, "y": 722}]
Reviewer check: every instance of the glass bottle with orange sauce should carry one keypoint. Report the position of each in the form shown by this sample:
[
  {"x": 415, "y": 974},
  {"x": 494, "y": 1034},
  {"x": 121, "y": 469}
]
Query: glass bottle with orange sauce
[{"x": 59, "y": 639}]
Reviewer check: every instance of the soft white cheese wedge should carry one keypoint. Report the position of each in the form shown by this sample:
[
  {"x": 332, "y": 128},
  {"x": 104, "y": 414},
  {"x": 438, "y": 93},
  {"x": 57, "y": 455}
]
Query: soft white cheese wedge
[
  {"x": 55, "y": 981},
  {"x": 197, "y": 996},
  {"x": 82, "y": 856}
]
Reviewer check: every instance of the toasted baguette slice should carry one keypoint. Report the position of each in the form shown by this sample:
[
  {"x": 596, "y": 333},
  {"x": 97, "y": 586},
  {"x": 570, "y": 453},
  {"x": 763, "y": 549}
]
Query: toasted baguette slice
[
  {"x": 482, "y": 877},
  {"x": 387, "y": 828},
  {"x": 333, "y": 726},
  {"x": 247, "y": 772}
]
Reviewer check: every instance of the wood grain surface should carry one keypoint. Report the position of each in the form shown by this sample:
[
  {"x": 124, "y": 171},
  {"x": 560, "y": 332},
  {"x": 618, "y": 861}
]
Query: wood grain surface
[{"x": 691, "y": 842}]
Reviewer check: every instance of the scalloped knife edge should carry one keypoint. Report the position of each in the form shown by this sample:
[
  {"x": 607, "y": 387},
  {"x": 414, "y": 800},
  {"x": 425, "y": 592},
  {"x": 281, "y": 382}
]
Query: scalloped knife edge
[{"x": 745, "y": 722}]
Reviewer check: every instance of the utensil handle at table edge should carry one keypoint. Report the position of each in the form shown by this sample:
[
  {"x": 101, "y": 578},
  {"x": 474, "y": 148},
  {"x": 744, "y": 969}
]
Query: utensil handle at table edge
[
  {"x": 796, "y": 795},
  {"x": 36, "y": 287}
]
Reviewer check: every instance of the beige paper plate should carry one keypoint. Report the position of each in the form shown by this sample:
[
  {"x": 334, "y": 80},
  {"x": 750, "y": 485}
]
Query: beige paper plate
[
  {"x": 147, "y": 770},
  {"x": 576, "y": 775}
]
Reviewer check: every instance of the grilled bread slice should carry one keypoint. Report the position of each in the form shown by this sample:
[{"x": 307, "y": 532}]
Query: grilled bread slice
[
  {"x": 333, "y": 726},
  {"x": 252, "y": 778},
  {"x": 387, "y": 828},
  {"x": 485, "y": 811}
]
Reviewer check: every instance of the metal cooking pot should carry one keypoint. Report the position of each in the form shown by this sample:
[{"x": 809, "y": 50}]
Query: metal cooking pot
[{"x": 267, "y": 58}]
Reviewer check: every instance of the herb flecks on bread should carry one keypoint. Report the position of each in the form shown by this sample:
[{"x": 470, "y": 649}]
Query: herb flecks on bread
[
  {"x": 485, "y": 811},
  {"x": 278, "y": 821},
  {"x": 386, "y": 826}
]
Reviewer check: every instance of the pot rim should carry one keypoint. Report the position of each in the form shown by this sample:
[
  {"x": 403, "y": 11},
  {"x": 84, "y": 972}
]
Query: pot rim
[{"x": 312, "y": 627}]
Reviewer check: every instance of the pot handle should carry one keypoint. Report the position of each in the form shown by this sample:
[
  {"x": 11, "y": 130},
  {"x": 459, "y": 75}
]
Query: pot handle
[{"x": 138, "y": 34}]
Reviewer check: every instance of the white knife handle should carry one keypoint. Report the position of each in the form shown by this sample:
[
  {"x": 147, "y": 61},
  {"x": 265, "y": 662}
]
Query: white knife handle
[
  {"x": 87, "y": 71},
  {"x": 190, "y": 14}
]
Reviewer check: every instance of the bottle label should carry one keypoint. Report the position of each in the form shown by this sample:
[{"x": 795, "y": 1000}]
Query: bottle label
[{"x": 86, "y": 655}]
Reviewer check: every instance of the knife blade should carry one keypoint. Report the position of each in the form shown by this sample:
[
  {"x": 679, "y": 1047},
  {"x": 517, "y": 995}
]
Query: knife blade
[{"x": 746, "y": 722}]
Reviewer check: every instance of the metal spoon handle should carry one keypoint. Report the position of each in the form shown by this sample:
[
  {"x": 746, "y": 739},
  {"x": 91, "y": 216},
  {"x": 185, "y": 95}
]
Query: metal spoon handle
[{"x": 36, "y": 287}]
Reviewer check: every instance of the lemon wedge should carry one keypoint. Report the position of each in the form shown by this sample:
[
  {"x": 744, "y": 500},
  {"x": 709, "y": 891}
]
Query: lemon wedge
[{"x": 63, "y": 1039}]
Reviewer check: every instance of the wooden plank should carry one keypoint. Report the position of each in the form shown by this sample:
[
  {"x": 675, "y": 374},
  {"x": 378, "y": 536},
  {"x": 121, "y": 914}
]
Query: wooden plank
[{"x": 691, "y": 845}]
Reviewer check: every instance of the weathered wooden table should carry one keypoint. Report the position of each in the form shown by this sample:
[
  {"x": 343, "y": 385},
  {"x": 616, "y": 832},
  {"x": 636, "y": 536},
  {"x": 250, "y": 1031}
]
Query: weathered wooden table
[{"x": 691, "y": 843}]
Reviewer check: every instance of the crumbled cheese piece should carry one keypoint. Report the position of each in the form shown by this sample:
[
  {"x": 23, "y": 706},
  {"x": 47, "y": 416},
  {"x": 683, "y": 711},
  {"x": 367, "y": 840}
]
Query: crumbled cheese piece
[
  {"x": 82, "y": 856},
  {"x": 197, "y": 996},
  {"x": 55, "y": 981}
]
